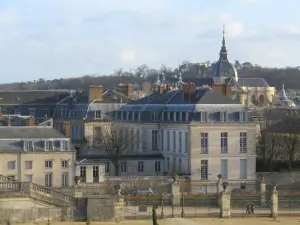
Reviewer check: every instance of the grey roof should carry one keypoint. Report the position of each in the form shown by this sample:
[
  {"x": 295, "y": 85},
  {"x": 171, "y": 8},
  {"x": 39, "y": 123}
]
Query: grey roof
[
  {"x": 32, "y": 97},
  {"x": 287, "y": 125},
  {"x": 29, "y": 132},
  {"x": 94, "y": 159},
  {"x": 202, "y": 96},
  {"x": 253, "y": 82}
]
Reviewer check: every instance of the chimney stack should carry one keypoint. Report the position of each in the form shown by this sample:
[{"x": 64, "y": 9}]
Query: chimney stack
[
  {"x": 95, "y": 93},
  {"x": 126, "y": 89}
]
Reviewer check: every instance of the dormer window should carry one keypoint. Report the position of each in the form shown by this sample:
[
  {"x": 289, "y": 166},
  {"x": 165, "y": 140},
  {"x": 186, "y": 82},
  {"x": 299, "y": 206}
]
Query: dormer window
[
  {"x": 180, "y": 116},
  {"x": 223, "y": 116},
  {"x": 139, "y": 115},
  {"x": 48, "y": 145},
  {"x": 64, "y": 145},
  {"x": 242, "y": 116},
  {"x": 154, "y": 116},
  {"x": 127, "y": 115},
  {"x": 186, "y": 116},
  {"x": 31, "y": 111},
  {"x": 168, "y": 115},
  {"x": 133, "y": 115},
  {"x": 17, "y": 112},
  {"x": 28, "y": 146},
  {"x": 203, "y": 116},
  {"x": 98, "y": 114}
]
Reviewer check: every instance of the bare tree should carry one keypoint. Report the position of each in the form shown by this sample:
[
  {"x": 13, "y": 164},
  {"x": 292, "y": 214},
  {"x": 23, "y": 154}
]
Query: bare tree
[
  {"x": 268, "y": 149},
  {"x": 117, "y": 141},
  {"x": 292, "y": 145}
]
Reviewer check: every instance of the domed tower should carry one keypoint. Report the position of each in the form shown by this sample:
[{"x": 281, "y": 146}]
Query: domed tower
[{"x": 223, "y": 68}]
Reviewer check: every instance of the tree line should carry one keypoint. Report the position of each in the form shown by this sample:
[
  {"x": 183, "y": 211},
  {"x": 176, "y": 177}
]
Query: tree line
[{"x": 143, "y": 74}]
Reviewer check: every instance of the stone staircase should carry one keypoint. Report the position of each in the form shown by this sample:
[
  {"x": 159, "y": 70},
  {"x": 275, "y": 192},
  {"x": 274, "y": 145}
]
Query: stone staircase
[{"x": 39, "y": 193}]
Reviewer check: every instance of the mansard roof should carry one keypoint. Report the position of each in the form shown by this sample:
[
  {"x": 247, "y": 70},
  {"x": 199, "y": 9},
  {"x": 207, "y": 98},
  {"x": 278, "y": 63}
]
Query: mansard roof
[{"x": 204, "y": 95}]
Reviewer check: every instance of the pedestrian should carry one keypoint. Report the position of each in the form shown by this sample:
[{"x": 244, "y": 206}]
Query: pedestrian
[
  {"x": 252, "y": 208},
  {"x": 248, "y": 208}
]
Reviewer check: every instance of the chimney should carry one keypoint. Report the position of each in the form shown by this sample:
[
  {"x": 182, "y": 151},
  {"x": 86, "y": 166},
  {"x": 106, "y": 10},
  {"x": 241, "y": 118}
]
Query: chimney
[
  {"x": 161, "y": 89},
  {"x": 95, "y": 93},
  {"x": 168, "y": 87},
  {"x": 1, "y": 116},
  {"x": 225, "y": 89},
  {"x": 31, "y": 122},
  {"x": 189, "y": 91},
  {"x": 126, "y": 89},
  {"x": 67, "y": 128}
]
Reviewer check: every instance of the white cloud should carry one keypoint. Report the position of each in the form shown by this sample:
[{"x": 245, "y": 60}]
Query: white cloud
[{"x": 128, "y": 55}]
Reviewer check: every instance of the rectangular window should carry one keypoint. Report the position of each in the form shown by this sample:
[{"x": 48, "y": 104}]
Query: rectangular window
[
  {"x": 64, "y": 163},
  {"x": 65, "y": 179},
  {"x": 243, "y": 142},
  {"x": 157, "y": 166},
  {"x": 123, "y": 167},
  {"x": 204, "y": 143},
  {"x": 204, "y": 169},
  {"x": 223, "y": 116},
  {"x": 28, "y": 146},
  {"x": 224, "y": 169},
  {"x": 174, "y": 141},
  {"x": 154, "y": 116},
  {"x": 11, "y": 165},
  {"x": 95, "y": 174},
  {"x": 168, "y": 140},
  {"x": 224, "y": 142},
  {"x": 48, "y": 164},
  {"x": 154, "y": 140},
  {"x": 83, "y": 174},
  {"x": 186, "y": 142},
  {"x": 180, "y": 142},
  {"x": 98, "y": 114},
  {"x": 140, "y": 166},
  {"x": 174, "y": 164},
  {"x": 242, "y": 116},
  {"x": 106, "y": 167},
  {"x": 28, "y": 165},
  {"x": 65, "y": 145},
  {"x": 48, "y": 179},
  {"x": 131, "y": 140},
  {"x": 180, "y": 165},
  {"x": 243, "y": 168},
  {"x": 203, "y": 116},
  {"x": 29, "y": 178},
  {"x": 138, "y": 139},
  {"x": 162, "y": 140},
  {"x": 168, "y": 163},
  {"x": 48, "y": 145}
]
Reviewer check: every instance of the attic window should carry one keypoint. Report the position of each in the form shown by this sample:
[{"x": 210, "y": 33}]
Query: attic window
[
  {"x": 98, "y": 114},
  {"x": 223, "y": 116},
  {"x": 48, "y": 145},
  {"x": 28, "y": 146},
  {"x": 17, "y": 98}
]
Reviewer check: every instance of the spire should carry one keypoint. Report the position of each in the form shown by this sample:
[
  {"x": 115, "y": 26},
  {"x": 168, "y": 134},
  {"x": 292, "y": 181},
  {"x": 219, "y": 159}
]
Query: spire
[
  {"x": 223, "y": 52},
  {"x": 284, "y": 97}
]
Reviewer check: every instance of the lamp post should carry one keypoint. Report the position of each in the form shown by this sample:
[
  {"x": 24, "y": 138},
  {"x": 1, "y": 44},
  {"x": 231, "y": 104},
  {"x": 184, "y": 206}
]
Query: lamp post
[{"x": 182, "y": 204}]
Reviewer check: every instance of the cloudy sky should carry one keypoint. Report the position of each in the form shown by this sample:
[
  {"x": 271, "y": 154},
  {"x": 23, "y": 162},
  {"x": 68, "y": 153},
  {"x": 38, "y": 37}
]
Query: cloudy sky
[{"x": 68, "y": 38}]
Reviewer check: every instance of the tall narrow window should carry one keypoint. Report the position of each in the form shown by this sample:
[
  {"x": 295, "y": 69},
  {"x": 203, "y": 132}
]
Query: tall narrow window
[
  {"x": 243, "y": 168},
  {"x": 162, "y": 140},
  {"x": 242, "y": 116},
  {"x": 154, "y": 140},
  {"x": 48, "y": 145},
  {"x": 180, "y": 165},
  {"x": 168, "y": 163},
  {"x": 48, "y": 179},
  {"x": 83, "y": 174},
  {"x": 140, "y": 166},
  {"x": 65, "y": 179},
  {"x": 174, "y": 141},
  {"x": 174, "y": 164},
  {"x": 224, "y": 169},
  {"x": 223, "y": 116},
  {"x": 98, "y": 114},
  {"x": 224, "y": 142},
  {"x": 154, "y": 116},
  {"x": 203, "y": 116},
  {"x": 106, "y": 167},
  {"x": 186, "y": 142},
  {"x": 204, "y": 169},
  {"x": 157, "y": 166},
  {"x": 180, "y": 142},
  {"x": 243, "y": 142},
  {"x": 95, "y": 174},
  {"x": 168, "y": 140},
  {"x": 123, "y": 167},
  {"x": 204, "y": 143},
  {"x": 138, "y": 139}
]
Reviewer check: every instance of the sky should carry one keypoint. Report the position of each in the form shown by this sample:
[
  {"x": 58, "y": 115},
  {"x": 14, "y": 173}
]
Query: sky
[{"x": 54, "y": 39}]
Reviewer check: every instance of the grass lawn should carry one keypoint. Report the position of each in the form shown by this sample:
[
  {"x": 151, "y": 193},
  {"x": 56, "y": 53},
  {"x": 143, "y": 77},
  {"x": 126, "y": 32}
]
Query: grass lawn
[{"x": 213, "y": 221}]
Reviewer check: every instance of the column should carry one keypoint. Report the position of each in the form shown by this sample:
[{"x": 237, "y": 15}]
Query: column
[
  {"x": 262, "y": 192},
  {"x": 274, "y": 203},
  {"x": 225, "y": 202}
]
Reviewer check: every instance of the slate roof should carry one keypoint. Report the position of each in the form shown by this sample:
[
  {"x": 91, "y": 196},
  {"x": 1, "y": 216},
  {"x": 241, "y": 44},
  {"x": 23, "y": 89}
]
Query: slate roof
[
  {"x": 32, "y": 97},
  {"x": 175, "y": 96},
  {"x": 253, "y": 82},
  {"x": 29, "y": 132},
  {"x": 287, "y": 125}
]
